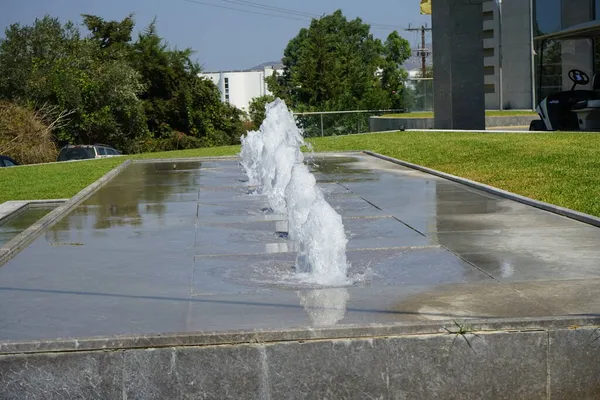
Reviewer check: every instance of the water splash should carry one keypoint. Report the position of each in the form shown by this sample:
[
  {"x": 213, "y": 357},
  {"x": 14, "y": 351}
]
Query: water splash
[
  {"x": 325, "y": 307},
  {"x": 273, "y": 161},
  {"x": 252, "y": 146}
]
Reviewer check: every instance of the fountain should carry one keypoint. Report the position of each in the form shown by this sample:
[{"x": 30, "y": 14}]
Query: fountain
[{"x": 273, "y": 161}]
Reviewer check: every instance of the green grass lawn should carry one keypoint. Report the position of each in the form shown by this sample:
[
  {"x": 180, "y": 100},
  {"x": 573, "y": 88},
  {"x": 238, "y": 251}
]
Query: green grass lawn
[
  {"x": 63, "y": 180},
  {"x": 558, "y": 168},
  {"x": 489, "y": 113}
]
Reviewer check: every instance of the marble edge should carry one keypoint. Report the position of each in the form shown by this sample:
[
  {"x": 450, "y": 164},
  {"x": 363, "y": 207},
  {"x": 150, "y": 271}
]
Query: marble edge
[
  {"x": 235, "y": 157},
  {"x": 565, "y": 212},
  {"x": 11, "y": 208},
  {"x": 14, "y": 246},
  {"x": 492, "y": 117},
  {"x": 183, "y": 159},
  {"x": 199, "y": 339}
]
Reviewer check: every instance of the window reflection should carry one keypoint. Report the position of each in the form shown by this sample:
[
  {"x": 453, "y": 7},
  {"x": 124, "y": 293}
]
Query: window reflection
[
  {"x": 547, "y": 16},
  {"x": 559, "y": 57}
]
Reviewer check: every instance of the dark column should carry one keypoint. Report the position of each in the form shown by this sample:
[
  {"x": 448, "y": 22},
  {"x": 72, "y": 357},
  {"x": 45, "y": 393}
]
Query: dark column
[{"x": 459, "y": 98}]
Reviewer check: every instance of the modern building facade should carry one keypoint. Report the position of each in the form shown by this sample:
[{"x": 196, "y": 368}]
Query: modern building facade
[
  {"x": 508, "y": 54},
  {"x": 460, "y": 71},
  {"x": 551, "y": 16},
  {"x": 239, "y": 87}
]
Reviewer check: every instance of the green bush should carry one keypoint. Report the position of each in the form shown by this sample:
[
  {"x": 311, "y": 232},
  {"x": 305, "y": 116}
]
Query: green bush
[{"x": 25, "y": 135}]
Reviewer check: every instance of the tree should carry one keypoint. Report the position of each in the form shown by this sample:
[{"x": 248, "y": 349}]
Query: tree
[
  {"x": 337, "y": 64},
  {"x": 50, "y": 63},
  {"x": 176, "y": 98},
  {"x": 111, "y": 33},
  {"x": 257, "y": 109},
  {"x": 120, "y": 92}
]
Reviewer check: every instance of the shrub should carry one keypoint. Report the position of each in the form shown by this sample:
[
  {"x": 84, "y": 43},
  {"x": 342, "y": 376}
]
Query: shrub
[
  {"x": 26, "y": 135},
  {"x": 176, "y": 141}
]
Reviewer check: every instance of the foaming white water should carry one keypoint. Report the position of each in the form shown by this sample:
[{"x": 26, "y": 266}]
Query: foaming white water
[
  {"x": 272, "y": 159},
  {"x": 325, "y": 307},
  {"x": 281, "y": 143},
  {"x": 317, "y": 228},
  {"x": 252, "y": 146}
]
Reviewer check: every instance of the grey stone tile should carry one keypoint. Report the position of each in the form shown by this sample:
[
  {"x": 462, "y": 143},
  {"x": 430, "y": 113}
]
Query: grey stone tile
[
  {"x": 428, "y": 207},
  {"x": 219, "y": 372},
  {"x": 220, "y": 194},
  {"x": 246, "y": 209},
  {"x": 110, "y": 272},
  {"x": 350, "y": 206},
  {"x": 338, "y": 369},
  {"x": 33, "y": 314},
  {"x": 150, "y": 374},
  {"x": 363, "y": 233},
  {"x": 543, "y": 242},
  {"x": 474, "y": 300},
  {"x": 491, "y": 221},
  {"x": 241, "y": 238},
  {"x": 488, "y": 366},
  {"x": 563, "y": 298},
  {"x": 333, "y": 189},
  {"x": 86, "y": 376},
  {"x": 574, "y": 364},
  {"x": 496, "y": 366},
  {"x": 516, "y": 266}
]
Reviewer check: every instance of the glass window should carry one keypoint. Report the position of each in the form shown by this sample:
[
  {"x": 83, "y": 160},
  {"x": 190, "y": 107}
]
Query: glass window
[
  {"x": 551, "y": 72},
  {"x": 597, "y": 9},
  {"x": 8, "y": 163},
  {"x": 547, "y": 16},
  {"x": 101, "y": 151},
  {"x": 76, "y": 153}
]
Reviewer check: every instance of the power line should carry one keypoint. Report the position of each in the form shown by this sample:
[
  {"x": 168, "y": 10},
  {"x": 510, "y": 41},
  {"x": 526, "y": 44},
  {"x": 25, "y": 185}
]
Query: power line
[
  {"x": 246, "y": 11},
  {"x": 299, "y": 13},
  {"x": 423, "y": 51},
  {"x": 271, "y": 8},
  {"x": 294, "y": 15},
  {"x": 294, "y": 12}
]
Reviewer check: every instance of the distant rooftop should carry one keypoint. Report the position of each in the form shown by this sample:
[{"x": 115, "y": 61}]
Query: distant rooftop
[
  {"x": 259, "y": 67},
  {"x": 272, "y": 64}
]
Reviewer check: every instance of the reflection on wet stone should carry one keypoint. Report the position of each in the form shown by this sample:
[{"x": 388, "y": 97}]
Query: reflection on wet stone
[
  {"x": 182, "y": 246},
  {"x": 325, "y": 307}
]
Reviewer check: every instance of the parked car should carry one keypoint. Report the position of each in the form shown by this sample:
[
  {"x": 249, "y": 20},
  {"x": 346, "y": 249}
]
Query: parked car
[
  {"x": 86, "y": 152},
  {"x": 6, "y": 161}
]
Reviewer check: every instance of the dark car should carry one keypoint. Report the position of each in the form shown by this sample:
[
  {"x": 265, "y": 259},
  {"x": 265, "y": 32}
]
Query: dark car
[
  {"x": 86, "y": 152},
  {"x": 6, "y": 161}
]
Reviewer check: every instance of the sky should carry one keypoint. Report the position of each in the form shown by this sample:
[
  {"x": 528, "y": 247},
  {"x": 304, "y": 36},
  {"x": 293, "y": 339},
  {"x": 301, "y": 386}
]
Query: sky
[{"x": 224, "y": 38}]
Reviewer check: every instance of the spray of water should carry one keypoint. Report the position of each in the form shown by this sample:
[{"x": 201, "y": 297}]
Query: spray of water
[{"x": 273, "y": 160}]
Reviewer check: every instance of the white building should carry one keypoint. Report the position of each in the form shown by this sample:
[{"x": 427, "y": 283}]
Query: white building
[
  {"x": 508, "y": 52},
  {"x": 239, "y": 87}
]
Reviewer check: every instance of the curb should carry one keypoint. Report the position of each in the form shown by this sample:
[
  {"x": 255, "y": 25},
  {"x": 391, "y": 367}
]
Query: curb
[
  {"x": 182, "y": 159},
  {"x": 237, "y": 337},
  {"x": 14, "y": 246},
  {"x": 11, "y": 208},
  {"x": 565, "y": 212}
]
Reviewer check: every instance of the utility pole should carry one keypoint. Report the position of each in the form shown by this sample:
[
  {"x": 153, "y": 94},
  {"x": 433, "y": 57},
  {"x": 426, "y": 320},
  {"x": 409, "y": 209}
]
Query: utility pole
[{"x": 423, "y": 51}]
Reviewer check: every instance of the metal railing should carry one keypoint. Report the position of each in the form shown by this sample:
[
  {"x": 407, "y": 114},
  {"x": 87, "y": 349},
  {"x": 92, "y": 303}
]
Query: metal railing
[
  {"x": 335, "y": 123},
  {"x": 418, "y": 94}
]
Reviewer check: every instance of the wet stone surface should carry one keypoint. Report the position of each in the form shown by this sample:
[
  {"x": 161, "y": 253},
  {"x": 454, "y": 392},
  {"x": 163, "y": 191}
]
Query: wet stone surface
[
  {"x": 12, "y": 226},
  {"x": 188, "y": 246}
]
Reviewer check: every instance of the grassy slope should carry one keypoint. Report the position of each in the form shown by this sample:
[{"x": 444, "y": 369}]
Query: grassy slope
[
  {"x": 559, "y": 168},
  {"x": 62, "y": 180},
  {"x": 489, "y": 113}
]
